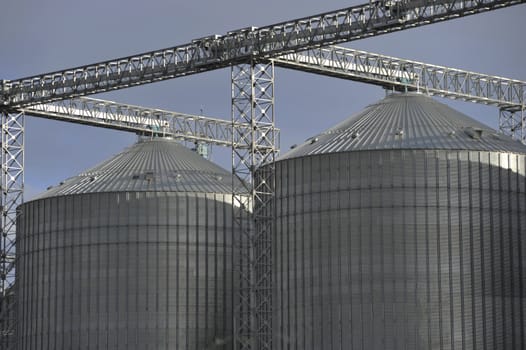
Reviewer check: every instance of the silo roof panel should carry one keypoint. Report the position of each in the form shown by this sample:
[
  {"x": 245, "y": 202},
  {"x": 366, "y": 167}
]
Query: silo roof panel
[
  {"x": 407, "y": 121},
  {"x": 158, "y": 164}
]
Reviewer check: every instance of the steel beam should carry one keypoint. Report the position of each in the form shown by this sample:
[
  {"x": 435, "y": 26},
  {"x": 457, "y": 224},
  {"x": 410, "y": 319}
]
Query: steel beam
[
  {"x": 391, "y": 72},
  {"x": 217, "y": 51},
  {"x": 141, "y": 120},
  {"x": 253, "y": 103},
  {"x": 12, "y": 186},
  {"x": 512, "y": 122}
]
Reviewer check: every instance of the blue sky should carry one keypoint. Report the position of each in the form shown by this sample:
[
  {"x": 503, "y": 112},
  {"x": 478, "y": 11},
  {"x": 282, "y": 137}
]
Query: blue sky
[{"x": 41, "y": 36}]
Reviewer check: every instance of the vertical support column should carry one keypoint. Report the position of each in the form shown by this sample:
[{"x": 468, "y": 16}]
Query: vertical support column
[
  {"x": 254, "y": 146},
  {"x": 512, "y": 122},
  {"x": 12, "y": 187}
]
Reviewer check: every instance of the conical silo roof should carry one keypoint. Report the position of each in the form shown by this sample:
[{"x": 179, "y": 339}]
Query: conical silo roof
[
  {"x": 159, "y": 164},
  {"x": 407, "y": 121}
]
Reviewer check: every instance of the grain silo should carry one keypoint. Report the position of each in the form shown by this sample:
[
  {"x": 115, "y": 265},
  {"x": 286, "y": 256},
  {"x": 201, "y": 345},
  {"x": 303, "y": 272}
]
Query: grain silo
[
  {"x": 401, "y": 228},
  {"x": 135, "y": 253}
]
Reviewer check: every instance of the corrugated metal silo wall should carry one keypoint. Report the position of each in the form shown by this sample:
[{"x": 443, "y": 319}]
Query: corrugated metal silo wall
[
  {"x": 136, "y": 270},
  {"x": 401, "y": 249},
  {"x": 8, "y": 320}
]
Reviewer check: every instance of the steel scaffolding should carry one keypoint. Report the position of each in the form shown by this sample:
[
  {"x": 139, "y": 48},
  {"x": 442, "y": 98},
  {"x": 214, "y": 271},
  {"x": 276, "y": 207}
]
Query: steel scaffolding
[
  {"x": 141, "y": 120},
  {"x": 512, "y": 122},
  {"x": 240, "y": 46},
  {"x": 401, "y": 74},
  {"x": 253, "y": 103},
  {"x": 12, "y": 184}
]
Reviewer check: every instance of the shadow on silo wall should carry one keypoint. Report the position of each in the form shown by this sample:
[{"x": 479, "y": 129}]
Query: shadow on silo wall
[
  {"x": 400, "y": 249},
  {"x": 128, "y": 270}
]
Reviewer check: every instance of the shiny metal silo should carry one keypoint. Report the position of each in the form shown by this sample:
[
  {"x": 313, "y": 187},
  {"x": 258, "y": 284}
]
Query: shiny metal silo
[
  {"x": 135, "y": 253},
  {"x": 401, "y": 228}
]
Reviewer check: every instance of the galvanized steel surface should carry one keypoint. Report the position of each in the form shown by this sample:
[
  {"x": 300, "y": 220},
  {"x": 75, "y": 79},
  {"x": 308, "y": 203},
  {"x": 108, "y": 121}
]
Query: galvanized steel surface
[
  {"x": 8, "y": 320},
  {"x": 400, "y": 249},
  {"x": 407, "y": 121},
  {"x": 401, "y": 228},
  {"x": 159, "y": 164},
  {"x": 128, "y": 269}
]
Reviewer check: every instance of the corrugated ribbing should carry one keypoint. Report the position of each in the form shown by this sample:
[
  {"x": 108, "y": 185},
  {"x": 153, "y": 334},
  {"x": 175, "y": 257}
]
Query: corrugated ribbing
[
  {"x": 131, "y": 270},
  {"x": 159, "y": 164},
  {"x": 406, "y": 121},
  {"x": 400, "y": 249}
]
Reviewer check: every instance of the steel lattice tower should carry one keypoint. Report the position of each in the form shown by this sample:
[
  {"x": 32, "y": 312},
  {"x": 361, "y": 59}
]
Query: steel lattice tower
[
  {"x": 253, "y": 104},
  {"x": 12, "y": 184}
]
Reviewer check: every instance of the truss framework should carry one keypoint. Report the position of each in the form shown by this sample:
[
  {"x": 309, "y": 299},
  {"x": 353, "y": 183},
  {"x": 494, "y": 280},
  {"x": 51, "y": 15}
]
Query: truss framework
[
  {"x": 512, "y": 122},
  {"x": 12, "y": 186},
  {"x": 141, "y": 120},
  {"x": 401, "y": 74},
  {"x": 239, "y": 46},
  {"x": 253, "y": 102},
  {"x": 340, "y": 62},
  {"x": 391, "y": 72}
]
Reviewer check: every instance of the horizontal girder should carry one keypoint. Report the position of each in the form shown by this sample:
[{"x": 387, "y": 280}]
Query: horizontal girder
[
  {"x": 141, "y": 120},
  {"x": 217, "y": 51},
  {"x": 398, "y": 73},
  {"x": 334, "y": 61}
]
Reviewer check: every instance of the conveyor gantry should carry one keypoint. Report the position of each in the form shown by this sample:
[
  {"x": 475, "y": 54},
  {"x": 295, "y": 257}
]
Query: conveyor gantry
[{"x": 248, "y": 52}]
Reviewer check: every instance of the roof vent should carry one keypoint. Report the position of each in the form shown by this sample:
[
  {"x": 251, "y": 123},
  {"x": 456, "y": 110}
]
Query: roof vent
[
  {"x": 473, "y": 133},
  {"x": 355, "y": 135},
  {"x": 500, "y": 137},
  {"x": 399, "y": 132},
  {"x": 293, "y": 146},
  {"x": 148, "y": 176},
  {"x": 313, "y": 140}
]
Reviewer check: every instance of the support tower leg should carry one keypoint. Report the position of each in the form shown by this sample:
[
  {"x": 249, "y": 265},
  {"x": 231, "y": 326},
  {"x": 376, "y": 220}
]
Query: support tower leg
[
  {"x": 12, "y": 186},
  {"x": 253, "y": 146},
  {"x": 512, "y": 122}
]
